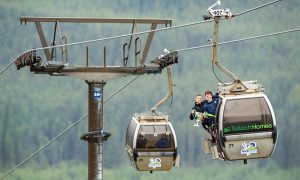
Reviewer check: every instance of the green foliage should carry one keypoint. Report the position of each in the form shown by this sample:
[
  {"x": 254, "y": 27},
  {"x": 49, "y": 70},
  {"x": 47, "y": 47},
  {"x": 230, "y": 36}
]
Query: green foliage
[
  {"x": 35, "y": 108},
  {"x": 71, "y": 170}
]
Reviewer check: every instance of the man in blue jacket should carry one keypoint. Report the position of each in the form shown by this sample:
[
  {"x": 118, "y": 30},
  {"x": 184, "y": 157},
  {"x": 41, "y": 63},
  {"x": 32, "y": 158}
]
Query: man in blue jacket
[{"x": 209, "y": 109}]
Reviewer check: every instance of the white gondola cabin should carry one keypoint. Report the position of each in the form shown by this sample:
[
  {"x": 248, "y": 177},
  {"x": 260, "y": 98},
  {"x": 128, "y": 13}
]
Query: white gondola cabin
[
  {"x": 245, "y": 125},
  {"x": 151, "y": 142}
]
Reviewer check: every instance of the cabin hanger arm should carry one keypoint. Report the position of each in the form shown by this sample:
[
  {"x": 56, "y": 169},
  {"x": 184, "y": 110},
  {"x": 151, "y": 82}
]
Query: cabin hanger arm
[{"x": 170, "y": 90}]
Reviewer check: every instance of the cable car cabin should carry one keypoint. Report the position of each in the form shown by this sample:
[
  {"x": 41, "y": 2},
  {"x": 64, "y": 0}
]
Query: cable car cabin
[
  {"x": 151, "y": 142},
  {"x": 246, "y": 127}
]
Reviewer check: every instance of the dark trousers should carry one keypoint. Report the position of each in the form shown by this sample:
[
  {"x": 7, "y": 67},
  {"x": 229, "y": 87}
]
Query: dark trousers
[{"x": 207, "y": 123}]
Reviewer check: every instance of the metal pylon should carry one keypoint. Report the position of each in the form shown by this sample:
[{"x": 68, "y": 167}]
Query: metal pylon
[{"x": 96, "y": 136}]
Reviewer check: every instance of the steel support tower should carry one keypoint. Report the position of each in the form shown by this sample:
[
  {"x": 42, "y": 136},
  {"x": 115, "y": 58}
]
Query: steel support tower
[{"x": 95, "y": 76}]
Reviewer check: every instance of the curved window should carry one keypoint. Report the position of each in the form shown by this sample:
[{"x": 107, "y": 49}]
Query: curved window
[
  {"x": 247, "y": 115},
  {"x": 130, "y": 133},
  {"x": 155, "y": 138}
]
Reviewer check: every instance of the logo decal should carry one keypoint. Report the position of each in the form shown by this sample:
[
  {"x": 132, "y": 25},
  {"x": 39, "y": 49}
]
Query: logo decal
[
  {"x": 97, "y": 94},
  {"x": 249, "y": 148},
  {"x": 154, "y": 163},
  {"x": 249, "y": 127}
]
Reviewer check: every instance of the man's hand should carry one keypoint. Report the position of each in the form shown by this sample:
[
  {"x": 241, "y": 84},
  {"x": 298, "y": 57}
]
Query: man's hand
[
  {"x": 193, "y": 111},
  {"x": 204, "y": 115}
]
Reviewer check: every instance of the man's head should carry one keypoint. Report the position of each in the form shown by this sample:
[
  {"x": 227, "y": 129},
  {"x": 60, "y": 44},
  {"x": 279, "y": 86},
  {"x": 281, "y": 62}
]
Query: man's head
[
  {"x": 198, "y": 99},
  {"x": 208, "y": 96}
]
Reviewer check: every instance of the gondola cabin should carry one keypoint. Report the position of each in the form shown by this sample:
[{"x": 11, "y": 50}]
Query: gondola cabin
[
  {"x": 246, "y": 124},
  {"x": 151, "y": 142}
]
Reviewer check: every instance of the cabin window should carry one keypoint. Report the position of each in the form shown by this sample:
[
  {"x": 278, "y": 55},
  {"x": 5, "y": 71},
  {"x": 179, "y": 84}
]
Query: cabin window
[
  {"x": 155, "y": 138},
  {"x": 247, "y": 115}
]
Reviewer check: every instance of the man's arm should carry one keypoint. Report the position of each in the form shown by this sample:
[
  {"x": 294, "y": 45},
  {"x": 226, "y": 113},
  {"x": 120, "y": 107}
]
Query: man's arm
[
  {"x": 215, "y": 95},
  {"x": 192, "y": 115}
]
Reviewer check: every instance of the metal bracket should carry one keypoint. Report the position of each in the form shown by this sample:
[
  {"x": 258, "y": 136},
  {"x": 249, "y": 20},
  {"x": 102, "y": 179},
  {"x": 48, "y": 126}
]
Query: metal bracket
[
  {"x": 27, "y": 59},
  {"x": 166, "y": 59},
  {"x": 96, "y": 136},
  {"x": 226, "y": 13}
]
